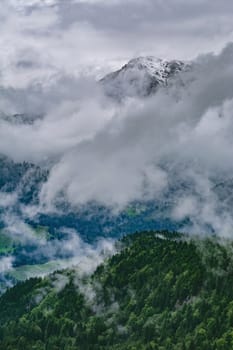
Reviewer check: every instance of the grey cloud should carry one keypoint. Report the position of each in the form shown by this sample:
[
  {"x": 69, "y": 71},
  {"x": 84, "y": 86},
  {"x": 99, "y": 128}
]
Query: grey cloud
[
  {"x": 174, "y": 147},
  {"x": 187, "y": 128},
  {"x": 98, "y": 149},
  {"x": 151, "y": 25},
  {"x": 6, "y": 264},
  {"x": 41, "y": 38}
]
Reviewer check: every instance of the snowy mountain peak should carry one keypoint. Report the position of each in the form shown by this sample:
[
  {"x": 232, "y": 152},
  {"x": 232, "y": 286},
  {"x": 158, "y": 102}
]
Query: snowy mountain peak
[
  {"x": 141, "y": 77},
  {"x": 156, "y": 67}
]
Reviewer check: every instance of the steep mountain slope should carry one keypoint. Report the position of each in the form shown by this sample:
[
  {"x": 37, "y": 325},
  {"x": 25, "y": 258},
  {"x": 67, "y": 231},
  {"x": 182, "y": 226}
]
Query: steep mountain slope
[
  {"x": 161, "y": 291},
  {"x": 141, "y": 77}
]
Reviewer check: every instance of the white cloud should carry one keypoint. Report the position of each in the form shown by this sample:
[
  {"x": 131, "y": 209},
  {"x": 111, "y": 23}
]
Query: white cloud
[
  {"x": 97, "y": 149},
  {"x": 7, "y": 199},
  {"x": 6, "y": 264},
  {"x": 150, "y": 145},
  {"x": 21, "y": 4},
  {"x": 42, "y": 38}
]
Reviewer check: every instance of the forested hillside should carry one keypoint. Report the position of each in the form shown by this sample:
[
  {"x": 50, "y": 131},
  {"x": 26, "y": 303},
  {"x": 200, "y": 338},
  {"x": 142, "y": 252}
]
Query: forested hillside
[{"x": 161, "y": 291}]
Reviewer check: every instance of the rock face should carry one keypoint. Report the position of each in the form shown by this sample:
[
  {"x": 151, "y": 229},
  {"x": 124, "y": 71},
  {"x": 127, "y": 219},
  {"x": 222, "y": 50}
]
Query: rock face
[{"x": 141, "y": 77}]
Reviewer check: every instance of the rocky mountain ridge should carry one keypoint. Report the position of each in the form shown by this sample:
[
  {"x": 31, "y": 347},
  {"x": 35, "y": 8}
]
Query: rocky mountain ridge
[{"x": 141, "y": 77}]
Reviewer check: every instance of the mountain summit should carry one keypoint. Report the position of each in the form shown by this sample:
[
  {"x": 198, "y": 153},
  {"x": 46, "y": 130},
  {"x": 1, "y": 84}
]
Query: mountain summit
[{"x": 140, "y": 77}]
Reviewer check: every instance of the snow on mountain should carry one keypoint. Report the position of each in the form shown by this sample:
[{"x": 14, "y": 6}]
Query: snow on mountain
[{"x": 141, "y": 77}]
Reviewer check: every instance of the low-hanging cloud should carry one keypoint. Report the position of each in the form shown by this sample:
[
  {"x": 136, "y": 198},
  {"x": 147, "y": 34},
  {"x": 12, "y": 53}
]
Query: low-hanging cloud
[
  {"x": 146, "y": 147},
  {"x": 140, "y": 149},
  {"x": 49, "y": 256},
  {"x": 173, "y": 148},
  {"x": 6, "y": 264}
]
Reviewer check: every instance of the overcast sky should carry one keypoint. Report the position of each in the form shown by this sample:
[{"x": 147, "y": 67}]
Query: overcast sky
[{"x": 40, "y": 37}]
